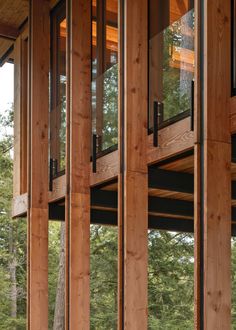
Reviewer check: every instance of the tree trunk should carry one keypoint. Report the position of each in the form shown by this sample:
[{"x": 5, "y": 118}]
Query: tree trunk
[{"x": 59, "y": 313}]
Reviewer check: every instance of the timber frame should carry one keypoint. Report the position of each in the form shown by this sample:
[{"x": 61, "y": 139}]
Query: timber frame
[{"x": 181, "y": 177}]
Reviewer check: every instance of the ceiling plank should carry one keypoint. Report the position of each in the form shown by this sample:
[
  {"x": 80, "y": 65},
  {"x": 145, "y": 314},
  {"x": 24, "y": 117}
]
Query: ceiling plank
[{"x": 8, "y": 32}]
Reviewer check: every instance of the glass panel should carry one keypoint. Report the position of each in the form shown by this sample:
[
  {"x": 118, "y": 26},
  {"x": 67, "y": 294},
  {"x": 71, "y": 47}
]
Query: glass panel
[
  {"x": 58, "y": 91},
  {"x": 171, "y": 58},
  {"x": 170, "y": 280},
  {"x": 104, "y": 84}
]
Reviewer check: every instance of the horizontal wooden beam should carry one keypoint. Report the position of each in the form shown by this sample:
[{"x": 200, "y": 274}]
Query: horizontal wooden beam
[
  {"x": 157, "y": 179},
  {"x": 173, "y": 140},
  {"x": 8, "y": 32}
]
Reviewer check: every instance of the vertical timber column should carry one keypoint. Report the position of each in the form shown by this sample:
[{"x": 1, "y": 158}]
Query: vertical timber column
[
  {"x": 120, "y": 295},
  {"x": 197, "y": 173},
  {"x": 135, "y": 165},
  {"x": 215, "y": 166},
  {"x": 20, "y": 117},
  {"x": 17, "y": 117},
  {"x": 38, "y": 199},
  {"x": 78, "y": 204}
]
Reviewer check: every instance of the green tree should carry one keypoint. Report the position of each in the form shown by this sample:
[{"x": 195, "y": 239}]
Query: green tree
[
  {"x": 12, "y": 243},
  {"x": 103, "y": 277}
]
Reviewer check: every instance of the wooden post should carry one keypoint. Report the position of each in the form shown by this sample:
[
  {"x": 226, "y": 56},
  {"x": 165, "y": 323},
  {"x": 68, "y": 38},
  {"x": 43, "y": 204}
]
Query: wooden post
[
  {"x": 120, "y": 300},
  {"x": 17, "y": 117},
  {"x": 214, "y": 155},
  {"x": 20, "y": 117},
  {"x": 78, "y": 172},
  {"x": 38, "y": 193},
  {"x": 135, "y": 166},
  {"x": 197, "y": 173}
]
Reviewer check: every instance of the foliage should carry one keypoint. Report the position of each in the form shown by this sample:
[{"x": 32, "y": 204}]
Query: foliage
[
  {"x": 103, "y": 277},
  {"x": 170, "y": 275},
  {"x": 53, "y": 265},
  {"x": 12, "y": 243}
]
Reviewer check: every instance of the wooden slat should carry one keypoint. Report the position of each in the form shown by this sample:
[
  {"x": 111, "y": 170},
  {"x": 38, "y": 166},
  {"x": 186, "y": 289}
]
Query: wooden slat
[
  {"x": 78, "y": 201},
  {"x": 38, "y": 195},
  {"x": 135, "y": 170}
]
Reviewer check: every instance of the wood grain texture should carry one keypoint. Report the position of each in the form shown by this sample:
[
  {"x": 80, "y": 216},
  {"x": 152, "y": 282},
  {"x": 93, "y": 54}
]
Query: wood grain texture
[
  {"x": 216, "y": 170},
  {"x": 38, "y": 191},
  {"x": 217, "y": 236},
  {"x": 173, "y": 140},
  {"x": 107, "y": 169},
  {"x": 135, "y": 167},
  {"x": 217, "y": 69},
  {"x": 78, "y": 166},
  {"x": 38, "y": 317}
]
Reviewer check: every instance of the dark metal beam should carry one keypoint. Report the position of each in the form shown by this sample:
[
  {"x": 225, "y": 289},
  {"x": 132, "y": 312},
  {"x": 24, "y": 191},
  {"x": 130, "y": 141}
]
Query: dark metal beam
[
  {"x": 233, "y": 148},
  {"x": 104, "y": 198},
  {"x": 170, "y": 206},
  {"x": 108, "y": 199},
  {"x": 175, "y": 181},
  {"x": 170, "y": 180}
]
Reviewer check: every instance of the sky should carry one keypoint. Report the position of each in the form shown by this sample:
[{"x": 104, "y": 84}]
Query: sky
[
  {"x": 6, "y": 86},
  {"x": 6, "y": 90}
]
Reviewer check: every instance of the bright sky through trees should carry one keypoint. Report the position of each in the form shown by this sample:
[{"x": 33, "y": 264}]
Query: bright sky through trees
[
  {"x": 6, "y": 90},
  {"x": 6, "y": 86}
]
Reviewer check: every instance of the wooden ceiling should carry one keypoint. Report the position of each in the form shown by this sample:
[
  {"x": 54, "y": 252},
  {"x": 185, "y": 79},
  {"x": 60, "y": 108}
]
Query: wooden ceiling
[{"x": 13, "y": 14}]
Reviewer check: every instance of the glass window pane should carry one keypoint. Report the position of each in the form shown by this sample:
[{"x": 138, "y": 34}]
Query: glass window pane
[
  {"x": 171, "y": 57},
  {"x": 58, "y": 90},
  {"x": 104, "y": 84}
]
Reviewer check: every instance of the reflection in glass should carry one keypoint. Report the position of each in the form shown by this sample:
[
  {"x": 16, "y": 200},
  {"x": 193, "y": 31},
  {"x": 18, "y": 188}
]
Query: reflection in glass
[
  {"x": 58, "y": 91},
  {"x": 171, "y": 57},
  {"x": 104, "y": 85}
]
